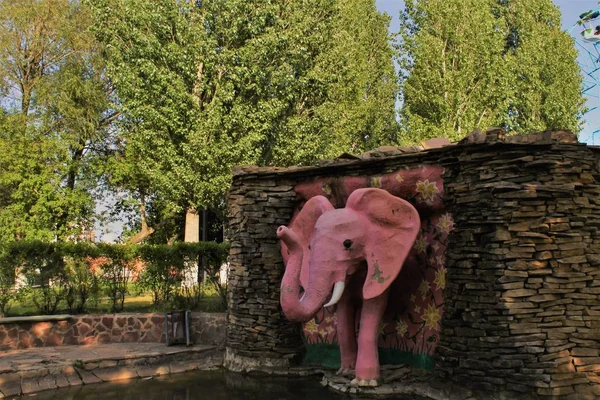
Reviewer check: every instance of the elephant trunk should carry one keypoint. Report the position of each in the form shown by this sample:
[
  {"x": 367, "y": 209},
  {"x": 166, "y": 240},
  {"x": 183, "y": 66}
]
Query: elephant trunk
[{"x": 294, "y": 307}]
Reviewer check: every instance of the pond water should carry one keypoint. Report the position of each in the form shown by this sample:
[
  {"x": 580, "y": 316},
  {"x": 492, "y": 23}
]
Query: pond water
[{"x": 215, "y": 385}]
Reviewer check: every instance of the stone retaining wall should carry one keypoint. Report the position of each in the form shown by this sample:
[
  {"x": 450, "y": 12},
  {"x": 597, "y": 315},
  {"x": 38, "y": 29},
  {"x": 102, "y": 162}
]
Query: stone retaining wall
[
  {"x": 23, "y": 373},
  {"x": 523, "y": 267},
  {"x": 522, "y": 304},
  {"x": 206, "y": 328}
]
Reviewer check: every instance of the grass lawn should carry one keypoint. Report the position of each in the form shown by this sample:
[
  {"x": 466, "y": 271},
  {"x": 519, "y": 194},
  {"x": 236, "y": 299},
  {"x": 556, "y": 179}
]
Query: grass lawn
[{"x": 133, "y": 303}]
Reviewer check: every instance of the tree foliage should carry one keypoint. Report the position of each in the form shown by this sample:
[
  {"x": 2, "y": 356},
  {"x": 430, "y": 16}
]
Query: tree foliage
[
  {"x": 508, "y": 64},
  {"x": 54, "y": 118},
  {"x": 208, "y": 85},
  {"x": 359, "y": 111},
  {"x": 545, "y": 89},
  {"x": 158, "y": 100}
]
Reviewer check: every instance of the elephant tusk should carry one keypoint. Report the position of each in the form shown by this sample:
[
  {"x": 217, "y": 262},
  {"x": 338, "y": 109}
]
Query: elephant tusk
[{"x": 338, "y": 290}]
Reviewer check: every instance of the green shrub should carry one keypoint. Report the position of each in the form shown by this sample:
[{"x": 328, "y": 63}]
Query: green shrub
[
  {"x": 166, "y": 267},
  {"x": 78, "y": 273},
  {"x": 8, "y": 292},
  {"x": 213, "y": 262},
  {"x": 211, "y": 256},
  {"x": 188, "y": 297},
  {"x": 117, "y": 270},
  {"x": 83, "y": 283},
  {"x": 44, "y": 268},
  {"x": 163, "y": 272},
  {"x": 215, "y": 287}
]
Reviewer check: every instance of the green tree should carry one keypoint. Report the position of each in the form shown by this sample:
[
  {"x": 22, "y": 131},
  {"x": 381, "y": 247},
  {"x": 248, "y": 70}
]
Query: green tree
[
  {"x": 508, "y": 64},
  {"x": 208, "y": 85},
  {"x": 54, "y": 119},
  {"x": 545, "y": 85},
  {"x": 358, "y": 113}
]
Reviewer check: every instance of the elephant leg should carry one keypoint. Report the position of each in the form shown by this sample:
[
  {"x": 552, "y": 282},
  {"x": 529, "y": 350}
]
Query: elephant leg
[
  {"x": 367, "y": 361},
  {"x": 346, "y": 333}
]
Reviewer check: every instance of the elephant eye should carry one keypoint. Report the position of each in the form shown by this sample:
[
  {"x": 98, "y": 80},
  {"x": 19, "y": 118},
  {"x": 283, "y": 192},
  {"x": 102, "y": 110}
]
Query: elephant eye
[{"x": 347, "y": 243}]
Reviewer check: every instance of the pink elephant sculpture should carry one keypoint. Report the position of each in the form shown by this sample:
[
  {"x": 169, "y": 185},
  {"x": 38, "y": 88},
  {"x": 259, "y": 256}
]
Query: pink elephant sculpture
[{"x": 354, "y": 254}]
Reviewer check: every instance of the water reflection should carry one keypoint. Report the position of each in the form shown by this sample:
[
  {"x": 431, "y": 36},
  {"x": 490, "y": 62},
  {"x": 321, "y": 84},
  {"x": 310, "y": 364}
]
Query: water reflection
[
  {"x": 205, "y": 385},
  {"x": 216, "y": 385}
]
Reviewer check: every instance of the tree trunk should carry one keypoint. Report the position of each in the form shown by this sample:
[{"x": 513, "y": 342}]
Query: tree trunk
[
  {"x": 192, "y": 226},
  {"x": 145, "y": 231},
  {"x": 192, "y": 235}
]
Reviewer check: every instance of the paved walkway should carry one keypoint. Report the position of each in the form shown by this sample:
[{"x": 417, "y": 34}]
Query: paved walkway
[{"x": 31, "y": 370}]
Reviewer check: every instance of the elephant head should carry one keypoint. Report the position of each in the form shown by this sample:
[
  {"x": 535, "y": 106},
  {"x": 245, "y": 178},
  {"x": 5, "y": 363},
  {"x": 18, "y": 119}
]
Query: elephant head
[{"x": 324, "y": 247}]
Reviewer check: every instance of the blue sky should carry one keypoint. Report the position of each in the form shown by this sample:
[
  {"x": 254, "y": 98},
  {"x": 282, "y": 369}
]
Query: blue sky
[{"x": 571, "y": 9}]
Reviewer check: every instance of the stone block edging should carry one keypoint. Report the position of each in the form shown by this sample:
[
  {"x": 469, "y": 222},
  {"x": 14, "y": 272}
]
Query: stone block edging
[{"x": 65, "y": 373}]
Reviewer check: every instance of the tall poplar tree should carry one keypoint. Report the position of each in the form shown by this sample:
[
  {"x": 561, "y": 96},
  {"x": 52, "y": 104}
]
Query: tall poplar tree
[
  {"x": 508, "y": 64},
  {"x": 358, "y": 113},
  {"x": 208, "y": 85},
  {"x": 545, "y": 81}
]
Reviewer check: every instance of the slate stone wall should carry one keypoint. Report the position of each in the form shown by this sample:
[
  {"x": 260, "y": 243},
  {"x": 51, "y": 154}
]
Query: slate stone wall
[
  {"x": 523, "y": 262},
  {"x": 522, "y": 304},
  {"x": 256, "y": 328},
  {"x": 110, "y": 328}
]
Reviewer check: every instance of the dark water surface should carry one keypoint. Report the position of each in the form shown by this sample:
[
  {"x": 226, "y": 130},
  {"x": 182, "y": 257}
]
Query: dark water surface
[{"x": 215, "y": 385}]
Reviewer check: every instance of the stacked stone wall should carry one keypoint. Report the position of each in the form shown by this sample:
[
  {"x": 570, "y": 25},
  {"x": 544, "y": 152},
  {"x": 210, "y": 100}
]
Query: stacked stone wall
[
  {"x": 522, "y": 304},
  {"x": 256, "y": 328},
  {"x": 523, "y": 262},
  {"x": 205, "y": 328}
]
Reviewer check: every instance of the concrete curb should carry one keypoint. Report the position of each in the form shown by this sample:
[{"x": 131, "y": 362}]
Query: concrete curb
[{"x": 40, "y": 375}]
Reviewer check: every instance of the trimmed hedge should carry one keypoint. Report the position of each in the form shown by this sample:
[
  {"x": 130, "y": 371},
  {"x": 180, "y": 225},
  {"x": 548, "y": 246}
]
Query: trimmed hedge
[{"x": 78, "y": 272}]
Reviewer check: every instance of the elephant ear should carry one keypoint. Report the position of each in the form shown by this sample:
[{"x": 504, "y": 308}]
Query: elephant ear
[
  {"x": 304, "y": 225},
  {"x": 392, "y": 228}
]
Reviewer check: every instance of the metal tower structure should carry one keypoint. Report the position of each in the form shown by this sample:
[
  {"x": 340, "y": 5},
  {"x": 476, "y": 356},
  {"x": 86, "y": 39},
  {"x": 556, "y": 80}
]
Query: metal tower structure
[{"x": 586, "y": 32}]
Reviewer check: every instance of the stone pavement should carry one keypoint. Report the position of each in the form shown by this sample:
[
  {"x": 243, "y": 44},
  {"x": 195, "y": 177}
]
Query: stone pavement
[
  {"x": 32, "y": 370},
  {"x": 400, "y": 380}
]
